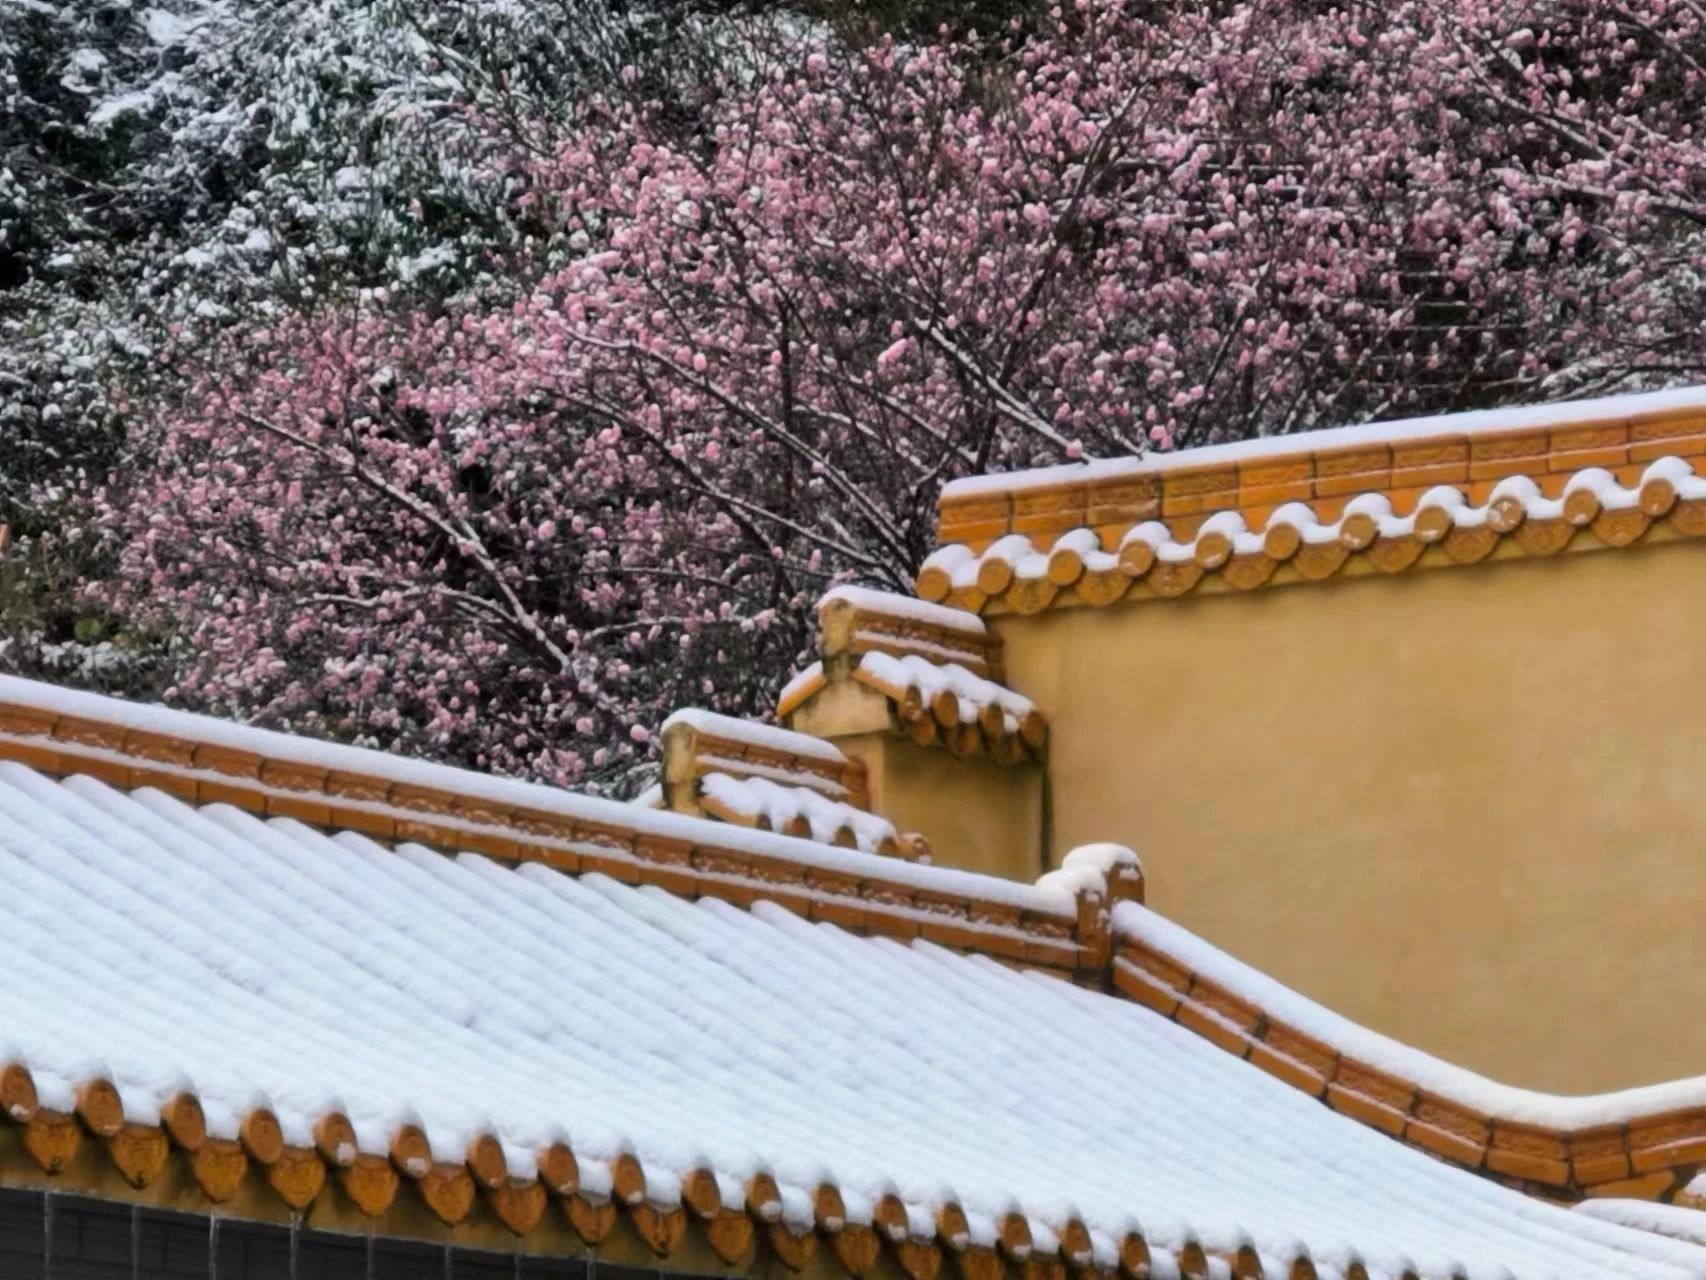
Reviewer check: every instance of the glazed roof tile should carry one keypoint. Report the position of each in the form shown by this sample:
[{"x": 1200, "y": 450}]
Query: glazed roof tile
[
  {"x": 251, "y": 992},
  {"x": 939, "y": 668},
  {"x": 1382, "y": 497},
  {"x": 257, "y": 963}
]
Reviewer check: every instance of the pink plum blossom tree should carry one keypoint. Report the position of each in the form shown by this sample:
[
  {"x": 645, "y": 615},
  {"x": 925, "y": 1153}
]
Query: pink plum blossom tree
[{"x": 515, "y": 530}]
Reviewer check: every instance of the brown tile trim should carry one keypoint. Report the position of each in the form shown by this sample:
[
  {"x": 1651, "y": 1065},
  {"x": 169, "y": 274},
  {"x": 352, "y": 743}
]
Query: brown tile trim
[
  {"x": 1311, "y": 471},
  {"x": 675, "y": 1224},
  {"x": 706, "y": 865},
  {"x": 1133, "y": 572},
  {"x": 1651, "y": 1156},
  {"x": 848, "y": 630}
]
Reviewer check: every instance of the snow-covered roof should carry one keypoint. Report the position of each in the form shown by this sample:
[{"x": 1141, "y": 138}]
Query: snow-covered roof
[
  {"x": 272, "y": 999},
  {"x": 1644, "y": 1142},
  {"x": 1384, "y": 497},
  {"x": 939, "y": 669},
  {"x": 758, "y": 776}
]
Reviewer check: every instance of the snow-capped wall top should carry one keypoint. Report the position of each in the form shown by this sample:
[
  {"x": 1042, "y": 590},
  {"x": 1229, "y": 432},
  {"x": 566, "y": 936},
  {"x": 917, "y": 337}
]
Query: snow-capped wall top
[
  {"x": 1433, "y": 492},
  {"x": 203, "y": 758},
  {"x": 769, "y": 737},
  {"x": 1603, "y": 410},
  {"x": 905, "y": 608},
  {"x": 303, "y": 1005},
  {"x": 1633, "y": 1142}
]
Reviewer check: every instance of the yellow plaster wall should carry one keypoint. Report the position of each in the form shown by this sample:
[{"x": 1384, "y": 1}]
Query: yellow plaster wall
[
  {"x": 1466, "y": 807},
  {"x": 976, "y": 814}
]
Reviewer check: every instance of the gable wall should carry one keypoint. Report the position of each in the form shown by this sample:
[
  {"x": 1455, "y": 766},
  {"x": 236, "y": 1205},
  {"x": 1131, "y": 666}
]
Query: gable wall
[{"x": 1462, "y": 807}]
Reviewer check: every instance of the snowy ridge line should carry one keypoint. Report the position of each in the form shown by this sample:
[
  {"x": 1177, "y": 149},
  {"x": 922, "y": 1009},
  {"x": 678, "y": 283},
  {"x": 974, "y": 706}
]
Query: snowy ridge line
[
  {"x": 944, "y": 704},
  {"x": 209, "y": 761},
  {"x": 1644, "y": 1143},
  {"x": 857, "y": 620},
  {"x": 905, "y": 610},
  {"x": 761, "y": 778},
  {"x": 1563, "y": 427},
  {"x": 939, "y": 669},
  {"x": 181, "y": 984},
  {"x": 762, "y": 737},
  {"x": 697, "y": 742},
  {"x": 1297, "y": 542}
]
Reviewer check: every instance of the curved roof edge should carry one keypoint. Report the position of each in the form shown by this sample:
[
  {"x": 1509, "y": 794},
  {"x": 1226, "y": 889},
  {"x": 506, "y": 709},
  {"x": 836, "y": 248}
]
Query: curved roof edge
[
  {"x": 1383, "y": 498},
  {"x": 206, "y": 760},
  {"x": 1645, "y": 1143}
]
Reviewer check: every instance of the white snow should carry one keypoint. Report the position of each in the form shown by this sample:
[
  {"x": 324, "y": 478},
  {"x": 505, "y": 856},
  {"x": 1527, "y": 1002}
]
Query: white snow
[
  {"x": 769, "y": 737},
  {"x": 1661, "y": 1219},
  {"x": 311, "y": 753},
  {"x": 1018, "y": 551},
  {"x": 166, "y": 28},
  {"x": 931, "y": 678},
  {"x": 251, "y": 958},
  {"x": 1489, "y": 1097},
  {"x": 1516, "y": 418},
  {"x": 779, "y": 804},
  {"x": 908, "y": 608}
]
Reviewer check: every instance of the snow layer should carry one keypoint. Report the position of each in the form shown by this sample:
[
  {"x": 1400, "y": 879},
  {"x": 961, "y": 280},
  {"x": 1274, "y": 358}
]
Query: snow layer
[
  {"x": 1516, "y": 418},
  {"x": 1489, "y": 1097},
  {"x": 734, "y": 729},
  {"x": 780, "y": 804},
  {"x": 1644, "y": 1215},
  {"x": 309, "y": 752},
  {"x": 261, "y": 960},
  {"x": 931, "y": 678},
  {"x": 908, "y": 608}
]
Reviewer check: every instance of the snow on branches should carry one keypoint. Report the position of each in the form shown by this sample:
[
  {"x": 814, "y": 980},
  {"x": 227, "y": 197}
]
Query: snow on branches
[{"x": 516, "y": 528}]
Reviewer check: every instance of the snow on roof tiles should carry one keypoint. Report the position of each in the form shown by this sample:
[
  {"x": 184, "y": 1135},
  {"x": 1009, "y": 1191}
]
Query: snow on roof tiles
[
  {"x": 939, "y": 668},
  {"x": 206, "y": 760},
  {"x": 1634, "y": 1142},
  {"x": 327, "y": 1000},
  {"x": 943, "y": 702},
  {"x": 1302, "y": 508}
]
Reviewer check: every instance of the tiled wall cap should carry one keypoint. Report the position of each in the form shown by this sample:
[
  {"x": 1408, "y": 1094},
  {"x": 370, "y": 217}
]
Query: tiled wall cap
[
  {"x": 1394, "y": 530},
  {"x": 1558, "y": 1161}
]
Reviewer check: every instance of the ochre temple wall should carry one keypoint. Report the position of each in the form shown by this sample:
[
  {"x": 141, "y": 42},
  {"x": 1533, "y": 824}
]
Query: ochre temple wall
[
  {"x": 977, "y": 815},
  {"x": 1463, "y": 807}
]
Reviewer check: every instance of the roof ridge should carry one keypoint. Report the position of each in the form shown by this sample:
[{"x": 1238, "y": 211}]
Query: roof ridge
[
  {"x": 1642, "y": 1143},
  {"x": 939, "y": 669},
  {"x": 1387, "y": 528},
  {"x": 1599, "y": 410},
  {"x": 206, "y": 760}
]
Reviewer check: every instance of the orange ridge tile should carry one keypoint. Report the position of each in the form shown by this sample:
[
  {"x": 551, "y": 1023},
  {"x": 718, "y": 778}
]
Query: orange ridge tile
[{"x": 1139, "y": 573}]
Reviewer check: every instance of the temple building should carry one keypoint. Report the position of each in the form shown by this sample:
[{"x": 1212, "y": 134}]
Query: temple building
[{"x": 1188, "y": 882}]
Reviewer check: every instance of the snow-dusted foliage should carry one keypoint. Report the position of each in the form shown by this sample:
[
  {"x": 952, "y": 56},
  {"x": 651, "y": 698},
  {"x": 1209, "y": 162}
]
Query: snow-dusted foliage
[
  {"x": 514, "y": 527},
  {"x": 172, "y": 172}
]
